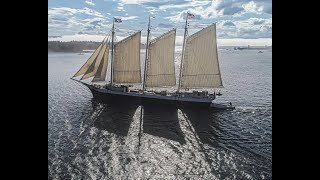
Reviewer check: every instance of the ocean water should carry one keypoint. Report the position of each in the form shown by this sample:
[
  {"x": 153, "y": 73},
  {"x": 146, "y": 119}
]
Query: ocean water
[{"x": 90, "y": 140}]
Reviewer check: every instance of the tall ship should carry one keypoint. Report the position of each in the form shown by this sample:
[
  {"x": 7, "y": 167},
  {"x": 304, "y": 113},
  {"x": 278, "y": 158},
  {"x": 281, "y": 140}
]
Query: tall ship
[{"x": 199, "y": 68}]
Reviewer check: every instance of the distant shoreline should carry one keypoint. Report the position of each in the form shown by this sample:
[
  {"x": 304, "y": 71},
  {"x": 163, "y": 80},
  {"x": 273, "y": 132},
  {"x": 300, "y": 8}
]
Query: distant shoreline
[
  {"x": 81, "y": 46},
  {"x": 72, "y": 46}
]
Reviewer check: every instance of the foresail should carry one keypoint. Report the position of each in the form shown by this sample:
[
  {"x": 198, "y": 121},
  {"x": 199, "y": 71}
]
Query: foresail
[
  {"x": 102, "y": 69},
  {"x": 93, "y": 68},
  {"x": 200, "y": 63},
  {"x": 87, "y": 64},
  {"x": 160, "y": 64},
  {"x": 126, "y": 64}
]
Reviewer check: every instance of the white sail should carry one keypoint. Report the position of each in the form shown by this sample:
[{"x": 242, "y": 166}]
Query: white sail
[
  {"x": 102, "y": 69},
  {"x": 87, "y": 64},
  {"x": 160, "y": 64},
  {"x": 126, "y": 64},
  {"x": 93, "y": 68},
  {"x": 200, "y": 62}
]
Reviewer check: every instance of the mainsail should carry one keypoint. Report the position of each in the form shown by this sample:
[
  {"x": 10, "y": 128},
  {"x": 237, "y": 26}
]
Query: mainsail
[
  {"x": 160, "y": 64},
  {"x": 200, "y": 62},
  {"x": 91, "y": 60},
  {"x": 126, "y": 64},
  {"x": 102, "y": 70}
]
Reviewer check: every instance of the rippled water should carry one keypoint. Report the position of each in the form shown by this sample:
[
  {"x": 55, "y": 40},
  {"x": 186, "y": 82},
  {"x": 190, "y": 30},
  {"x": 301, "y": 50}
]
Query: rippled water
[{"x": 89, "y": 140}]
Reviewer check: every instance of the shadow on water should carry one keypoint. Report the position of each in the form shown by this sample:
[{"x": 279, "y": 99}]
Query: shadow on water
[
  {"x": 156, "y": 120},
  {"x": 162, "y": 121},
  {"x": 115, "y": 117},
  {"x": 205, "y": 124}
]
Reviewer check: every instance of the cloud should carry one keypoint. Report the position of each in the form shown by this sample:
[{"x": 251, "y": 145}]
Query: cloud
[
  {"x": 66, "y": 11},
  {"x": 248, "y": 29},
  {"x": 224, "y": 9},
  {"x": 90, "y": 3},
  {"x": 182, "y": 16},
  {"x": 258, "y": 6},
  {"x": 64, "y": 20},
  {"x": 235, "y": 18},
  {"x": 258, "y": 21},
  {"x": 231, "y": 10},
  {"x": 164, "y": 25},
  {"x": 228, "y": 23},
  {"x": 220, "y": 8},
  {"x": 185, "y": 5},
  {"x": 128, "y": 18},
  {"x": 140, "y": 1},
  {"x": 231, "y": 7},
  {"x": 120, "y": 8}
]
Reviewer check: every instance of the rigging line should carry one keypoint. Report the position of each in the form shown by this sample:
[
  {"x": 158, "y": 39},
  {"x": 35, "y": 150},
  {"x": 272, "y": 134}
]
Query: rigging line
[
  {"x": 178, "y": 56},
  {"x": 109, "y": 35}
]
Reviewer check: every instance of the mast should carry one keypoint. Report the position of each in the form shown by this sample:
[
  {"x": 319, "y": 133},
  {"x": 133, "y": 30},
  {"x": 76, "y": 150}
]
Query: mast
[
  {"x": 112, "y": 49},
  {"x": 183, "y": 48},
  {"x": 146, "y": 57}
]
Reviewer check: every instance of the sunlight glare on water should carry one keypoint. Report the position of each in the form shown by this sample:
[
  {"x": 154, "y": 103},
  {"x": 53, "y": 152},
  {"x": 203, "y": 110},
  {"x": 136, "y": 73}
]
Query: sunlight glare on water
[{"x": 90, "y": 140}]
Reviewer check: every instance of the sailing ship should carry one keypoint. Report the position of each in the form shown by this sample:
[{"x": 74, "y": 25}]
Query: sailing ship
[{"x": 199, "y": 68}]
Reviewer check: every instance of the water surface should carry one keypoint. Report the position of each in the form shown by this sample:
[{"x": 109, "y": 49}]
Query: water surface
[{"x": 90, "y": 140}]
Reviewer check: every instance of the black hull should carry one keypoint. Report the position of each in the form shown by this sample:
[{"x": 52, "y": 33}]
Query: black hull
[{"x": 120, "y": 99}]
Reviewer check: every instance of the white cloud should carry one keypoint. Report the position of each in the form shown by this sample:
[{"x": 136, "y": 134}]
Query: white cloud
[
  {"x": 230, "y": 7},
  {"x": 90, "y": 3},
  {"x": 228, "y": 23},
  {"x": 199, "y": 12},
  {"x": 236, "y": 18},
  {"x": 153, "y": 10},
  {"x": 128, "y": 18},
  {"x": 258, "y": 7},
  {"x": 252, "y": 7},
  {"x": 137, "y": 1},
  {"x": 220, "y": 8},
  {"x": 180, "y": 17},
  {"x": 254, "y": 22},
  {"x": 248, "y": 29},
  {"x": 188, "y": 4},
  {"x": 66, "y": 11},
  {"x": 64, "y": 20},
  {"x": 120, "y": 8}
]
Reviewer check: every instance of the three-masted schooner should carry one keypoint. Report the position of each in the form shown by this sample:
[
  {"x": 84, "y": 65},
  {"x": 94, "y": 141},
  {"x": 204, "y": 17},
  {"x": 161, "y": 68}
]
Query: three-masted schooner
[{"x": 199, "y": 68}]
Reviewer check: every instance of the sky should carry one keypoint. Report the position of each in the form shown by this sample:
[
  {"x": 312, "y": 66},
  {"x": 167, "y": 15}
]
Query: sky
[{"x": 239, "y": 22}]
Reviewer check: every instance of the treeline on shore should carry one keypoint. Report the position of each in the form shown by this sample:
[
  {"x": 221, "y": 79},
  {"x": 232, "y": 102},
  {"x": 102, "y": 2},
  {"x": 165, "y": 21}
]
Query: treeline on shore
[{"x": 71, "y": 46}]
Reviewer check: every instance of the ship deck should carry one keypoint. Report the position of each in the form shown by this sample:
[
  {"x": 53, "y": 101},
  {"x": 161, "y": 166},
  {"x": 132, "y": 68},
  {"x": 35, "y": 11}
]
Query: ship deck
[
  {"x": 183, "y": 97},
  {"x": 124, "y": 94}
]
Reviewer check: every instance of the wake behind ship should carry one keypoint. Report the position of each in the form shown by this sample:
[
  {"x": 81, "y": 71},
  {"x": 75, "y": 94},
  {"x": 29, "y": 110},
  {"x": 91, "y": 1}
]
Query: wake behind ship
[{"x": 199, "y": 68}]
